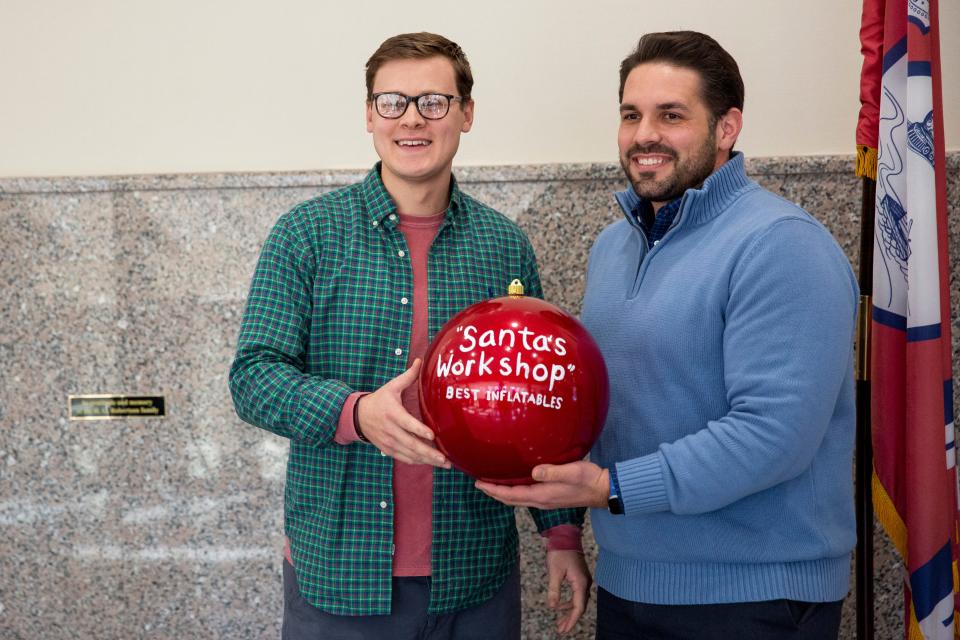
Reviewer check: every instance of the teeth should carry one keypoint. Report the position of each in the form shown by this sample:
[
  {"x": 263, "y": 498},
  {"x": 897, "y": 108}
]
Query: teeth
[
  {"x": 413, "y": 143},
  {"x": 647, "y": 162}
]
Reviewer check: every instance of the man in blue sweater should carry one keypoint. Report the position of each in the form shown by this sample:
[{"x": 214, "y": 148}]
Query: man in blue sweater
[{"x": 721, "y": 485}]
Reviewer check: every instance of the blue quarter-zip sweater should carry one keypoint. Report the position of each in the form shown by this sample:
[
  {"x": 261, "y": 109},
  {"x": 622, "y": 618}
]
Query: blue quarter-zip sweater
[{"x": 731, "y": 422}]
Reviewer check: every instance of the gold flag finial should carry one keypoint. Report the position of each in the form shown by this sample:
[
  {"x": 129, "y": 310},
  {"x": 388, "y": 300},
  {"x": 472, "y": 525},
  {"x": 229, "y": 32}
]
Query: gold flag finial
[{"x": 515, "y": 288}]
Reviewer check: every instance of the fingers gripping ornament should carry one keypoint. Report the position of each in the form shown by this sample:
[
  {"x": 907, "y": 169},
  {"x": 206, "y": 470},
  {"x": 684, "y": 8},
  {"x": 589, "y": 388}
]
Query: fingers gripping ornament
[{"x": 510, "y": 383}]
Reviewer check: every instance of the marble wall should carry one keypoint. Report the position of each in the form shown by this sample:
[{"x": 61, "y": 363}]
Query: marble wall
[{"x": 171, "y": 527}]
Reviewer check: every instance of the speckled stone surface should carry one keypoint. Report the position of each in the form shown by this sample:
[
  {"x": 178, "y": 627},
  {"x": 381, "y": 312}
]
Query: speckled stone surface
[{"x": 171, "y": 528}]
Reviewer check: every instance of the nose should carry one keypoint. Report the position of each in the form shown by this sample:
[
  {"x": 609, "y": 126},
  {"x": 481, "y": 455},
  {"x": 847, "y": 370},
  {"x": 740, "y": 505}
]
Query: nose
[
  {"x": 411, "y": 118},
  {"x": 646, "y": 132}
]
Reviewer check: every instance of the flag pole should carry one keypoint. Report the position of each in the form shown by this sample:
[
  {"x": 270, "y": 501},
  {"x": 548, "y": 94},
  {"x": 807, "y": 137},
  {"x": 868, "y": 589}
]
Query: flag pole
[{"x": 864, "y": 445}]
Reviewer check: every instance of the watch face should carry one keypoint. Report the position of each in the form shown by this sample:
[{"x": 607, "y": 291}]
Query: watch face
[{"x": 615, "y": 505}]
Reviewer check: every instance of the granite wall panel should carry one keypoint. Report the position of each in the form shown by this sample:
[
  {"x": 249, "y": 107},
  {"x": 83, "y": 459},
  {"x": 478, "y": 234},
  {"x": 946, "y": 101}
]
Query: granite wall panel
[{"x": 171, "y": 528}]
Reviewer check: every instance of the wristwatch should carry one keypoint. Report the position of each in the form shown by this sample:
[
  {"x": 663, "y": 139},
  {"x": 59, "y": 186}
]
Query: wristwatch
[{"x": 614, "y": 503}]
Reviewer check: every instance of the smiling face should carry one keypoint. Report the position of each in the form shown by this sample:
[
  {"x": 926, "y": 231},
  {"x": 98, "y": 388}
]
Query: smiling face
[
  {"x": 417, "y": 152},
  {"x": 668, "y": 139}
]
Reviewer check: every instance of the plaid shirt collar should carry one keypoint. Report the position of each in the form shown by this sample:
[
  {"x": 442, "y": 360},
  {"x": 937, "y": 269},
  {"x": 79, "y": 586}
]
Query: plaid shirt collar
[{"x": 382, "y": 210}]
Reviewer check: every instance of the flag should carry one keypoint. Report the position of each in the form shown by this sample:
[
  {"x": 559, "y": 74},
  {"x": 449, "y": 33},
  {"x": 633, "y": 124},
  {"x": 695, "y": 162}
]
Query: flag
[{"x": 914, "y": 465}]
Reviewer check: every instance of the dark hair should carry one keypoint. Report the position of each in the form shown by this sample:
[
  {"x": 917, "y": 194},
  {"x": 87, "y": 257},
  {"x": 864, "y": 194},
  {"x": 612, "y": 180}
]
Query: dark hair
[
  {"x": 720, "y": 81},
  {"x": 407, "y": 46}
]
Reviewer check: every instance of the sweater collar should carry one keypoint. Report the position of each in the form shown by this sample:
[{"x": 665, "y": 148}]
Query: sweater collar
[{"x": 698, "y": 205}]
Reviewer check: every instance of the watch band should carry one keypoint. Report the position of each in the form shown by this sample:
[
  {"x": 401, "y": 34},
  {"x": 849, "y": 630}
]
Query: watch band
[
  {"x": 356, "y": 421},
  {"x": 614, "y": 502}
]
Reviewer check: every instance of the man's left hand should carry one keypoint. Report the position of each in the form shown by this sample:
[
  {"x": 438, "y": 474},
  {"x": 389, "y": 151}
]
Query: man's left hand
[
  {"x": 577, "y": 484},
  {"x": 568, "y": 566}
]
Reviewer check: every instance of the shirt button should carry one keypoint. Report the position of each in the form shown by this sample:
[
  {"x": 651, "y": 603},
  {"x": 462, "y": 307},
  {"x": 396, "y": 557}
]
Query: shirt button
[
  {"x": 376, "y": 222},
  {"x": 383, "y": 504},
  {"x": 401, "y": 253},
  {"x": 404, "y": 301},
  {"x": 393, "y": 216},
  {"x": 399, "y": 352},
  {"x": 656, "y": 242}
]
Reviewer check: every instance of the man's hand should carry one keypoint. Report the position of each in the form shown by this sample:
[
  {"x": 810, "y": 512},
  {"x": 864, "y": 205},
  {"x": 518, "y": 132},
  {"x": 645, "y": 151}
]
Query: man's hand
[
  {"x": 390, "y": 428},
  {"x": 570, "y": 567},
  {"x": 576, "y": 484}
]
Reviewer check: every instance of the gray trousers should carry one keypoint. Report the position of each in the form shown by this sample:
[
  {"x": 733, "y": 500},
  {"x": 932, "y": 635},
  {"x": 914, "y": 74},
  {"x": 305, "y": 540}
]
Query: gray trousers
[{"x": 496, "y": 619}]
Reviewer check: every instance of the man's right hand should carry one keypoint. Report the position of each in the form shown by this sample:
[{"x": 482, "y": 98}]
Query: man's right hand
[{"x": 390, "y": 428}]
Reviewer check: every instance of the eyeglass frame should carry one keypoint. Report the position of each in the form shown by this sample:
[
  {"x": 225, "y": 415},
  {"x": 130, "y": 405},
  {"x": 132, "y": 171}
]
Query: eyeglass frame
[{"x": 413, "y": 100}]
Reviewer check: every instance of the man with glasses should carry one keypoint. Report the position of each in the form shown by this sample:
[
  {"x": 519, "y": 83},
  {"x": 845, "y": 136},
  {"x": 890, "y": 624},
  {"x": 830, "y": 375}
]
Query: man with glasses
[{"x": 385, "y": 539}]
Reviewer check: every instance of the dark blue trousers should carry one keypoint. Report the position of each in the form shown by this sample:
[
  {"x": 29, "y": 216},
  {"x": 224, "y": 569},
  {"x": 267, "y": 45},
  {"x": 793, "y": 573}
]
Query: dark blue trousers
[
  {"x": 497, "y": 618},
  {"x": 619, "y": 619}
]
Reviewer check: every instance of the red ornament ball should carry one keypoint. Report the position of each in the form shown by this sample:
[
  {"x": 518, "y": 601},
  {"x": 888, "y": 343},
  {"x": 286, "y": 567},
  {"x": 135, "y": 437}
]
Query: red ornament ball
[{"x": 510, "y": 383}]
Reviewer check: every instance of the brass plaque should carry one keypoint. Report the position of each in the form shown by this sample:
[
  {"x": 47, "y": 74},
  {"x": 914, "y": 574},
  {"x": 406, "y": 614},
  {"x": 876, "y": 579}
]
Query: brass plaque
[{"x": 110, "y": 407}]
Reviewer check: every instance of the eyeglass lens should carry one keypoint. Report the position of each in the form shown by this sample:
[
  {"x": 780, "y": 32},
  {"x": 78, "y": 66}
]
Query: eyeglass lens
[{"x": 430, "y": 105}]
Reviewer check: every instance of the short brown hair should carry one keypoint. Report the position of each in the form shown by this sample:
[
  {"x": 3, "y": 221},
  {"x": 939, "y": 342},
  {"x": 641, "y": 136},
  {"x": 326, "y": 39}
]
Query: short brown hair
[
  {"x": 407, "y": 46},
  {"x": 720, "y": 82}
]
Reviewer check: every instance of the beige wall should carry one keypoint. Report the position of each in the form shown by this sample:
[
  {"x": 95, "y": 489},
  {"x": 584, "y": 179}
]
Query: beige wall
[{"x": 129, "y": 86}]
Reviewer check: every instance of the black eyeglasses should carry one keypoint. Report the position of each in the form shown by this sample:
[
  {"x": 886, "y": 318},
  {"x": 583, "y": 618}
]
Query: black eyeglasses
[{"x": 432, "y": 106}]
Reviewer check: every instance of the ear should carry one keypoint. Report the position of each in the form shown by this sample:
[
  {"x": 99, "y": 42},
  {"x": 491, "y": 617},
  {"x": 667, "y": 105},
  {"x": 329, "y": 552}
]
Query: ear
[
  {"x": 369, "y": 117},
  {"x": 468, "y": 108},
  {"x": 728, "y": 129}
]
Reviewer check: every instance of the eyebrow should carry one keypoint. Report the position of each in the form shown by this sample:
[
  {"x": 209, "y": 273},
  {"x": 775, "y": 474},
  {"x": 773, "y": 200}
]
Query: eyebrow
[{"x": 664, "y": 106}]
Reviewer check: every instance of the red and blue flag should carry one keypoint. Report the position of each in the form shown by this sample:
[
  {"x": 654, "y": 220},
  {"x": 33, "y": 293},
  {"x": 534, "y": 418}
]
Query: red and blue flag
[{"x": 900, "y": 137}]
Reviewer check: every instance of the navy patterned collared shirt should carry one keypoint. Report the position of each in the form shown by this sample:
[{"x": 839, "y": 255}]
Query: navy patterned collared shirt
[{"x": 655, "y": 226}]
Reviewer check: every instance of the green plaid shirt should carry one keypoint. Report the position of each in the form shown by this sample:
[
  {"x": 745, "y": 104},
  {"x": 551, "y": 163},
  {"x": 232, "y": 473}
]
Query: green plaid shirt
[{"x": 324, "y": 319}]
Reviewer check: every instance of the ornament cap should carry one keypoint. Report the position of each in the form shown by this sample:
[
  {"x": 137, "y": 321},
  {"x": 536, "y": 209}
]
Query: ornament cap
[{"x": 515, "y": 288}]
